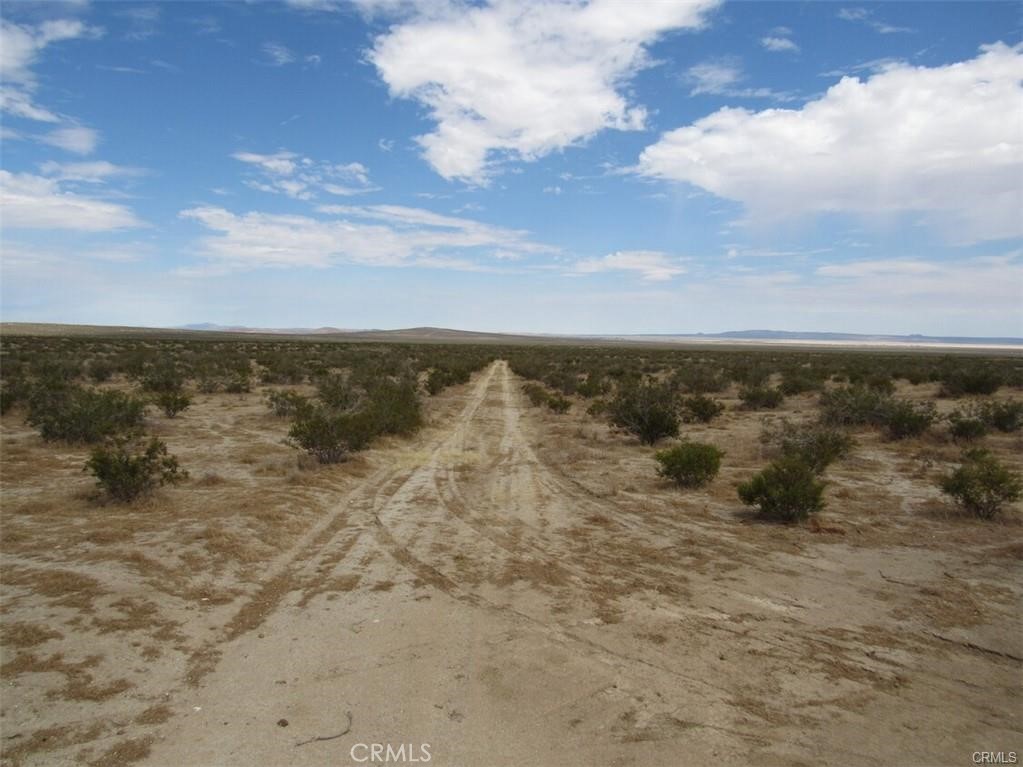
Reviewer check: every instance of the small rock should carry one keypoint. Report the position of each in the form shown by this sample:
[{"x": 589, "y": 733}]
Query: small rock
[{"x": 282, "y": 722}]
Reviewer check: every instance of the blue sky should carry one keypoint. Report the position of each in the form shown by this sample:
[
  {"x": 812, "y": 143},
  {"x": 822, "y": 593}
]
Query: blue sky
[{"x": 574, "y": 167}]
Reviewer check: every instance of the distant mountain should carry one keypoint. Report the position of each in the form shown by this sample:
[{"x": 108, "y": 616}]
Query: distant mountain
[
  {"x": 213, "y": 328},
  {"x": 787, "y": 335},
  {"x": 448, "y": 335}
]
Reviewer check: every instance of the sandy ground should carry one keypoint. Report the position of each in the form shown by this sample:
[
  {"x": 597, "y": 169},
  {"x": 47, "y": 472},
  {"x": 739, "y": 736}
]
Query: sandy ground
[{"x": 514, "y": 588}]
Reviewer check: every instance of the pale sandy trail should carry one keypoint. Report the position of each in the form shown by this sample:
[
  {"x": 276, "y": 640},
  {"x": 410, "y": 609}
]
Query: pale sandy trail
[{"x": 470, "y": 596}]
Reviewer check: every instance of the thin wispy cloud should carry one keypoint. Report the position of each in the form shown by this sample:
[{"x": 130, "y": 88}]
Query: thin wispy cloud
[{"x": 302, "y": 178}]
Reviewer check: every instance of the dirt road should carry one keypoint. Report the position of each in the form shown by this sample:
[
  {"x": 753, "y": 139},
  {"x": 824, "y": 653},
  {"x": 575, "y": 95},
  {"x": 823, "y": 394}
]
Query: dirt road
[{"x": 477, "y": 597}]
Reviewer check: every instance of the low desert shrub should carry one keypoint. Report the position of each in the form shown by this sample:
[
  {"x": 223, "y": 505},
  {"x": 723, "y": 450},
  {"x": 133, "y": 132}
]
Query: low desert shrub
[
  {"x": 852, "y": 406},
  {"x": 815, "y": 444},
  {"x": 975, "y": 379},
  {"x": 393, "y": 407},
  {"x": 967, "y": 424},
  {"x": 902, "y": 418},
  {"x": 1004, "y": 416},
  {"x": 701, "y": 409},
  {"x": 172, "y": 402},
  {"x": 329, "y": 435},
  {"x": 285, "y": 404},
  {"x": 75, "y": 414},
  {"x": 689, "y": 464},
  {"x": 760, "y": 397},
  {"x": 535, "y": 393},
  {"x": 558, "y": 404},
  {"x": 646, "y": 410},
  {"x": 982, "y": 486},
  {"x": 787, "y": 490},
  {"x": 125, "y": 473}
]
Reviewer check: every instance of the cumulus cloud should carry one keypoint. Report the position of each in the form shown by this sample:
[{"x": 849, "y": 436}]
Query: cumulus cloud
[
  {"x": 300, "y": 177},
  {"x": 942, "y": 143},
  {"x": 35, "y": 202},
  {"x": 371, "y": 235},
  {"x": 521, "y": 80},
  {"x": 651, "y": 265}
]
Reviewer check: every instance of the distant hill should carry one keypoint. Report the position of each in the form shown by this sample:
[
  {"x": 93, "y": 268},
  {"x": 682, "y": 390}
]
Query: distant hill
[{"x": 734, "y": 339}]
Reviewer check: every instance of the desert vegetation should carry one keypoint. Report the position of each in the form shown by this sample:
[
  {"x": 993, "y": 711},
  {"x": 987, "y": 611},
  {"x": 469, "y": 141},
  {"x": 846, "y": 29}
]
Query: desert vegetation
[{"x": 167, "y": 497}]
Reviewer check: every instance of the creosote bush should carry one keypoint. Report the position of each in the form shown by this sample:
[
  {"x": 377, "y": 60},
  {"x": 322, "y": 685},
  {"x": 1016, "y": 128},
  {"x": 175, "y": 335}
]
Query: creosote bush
[
  {"x": 815, "y": 444},
  {"x": 689, "y": 464},
  {"x": 646, "y": 410},
  {"x": 902, "y": 418},
  {"x": 285, "y": 404},
  {"x": 967, "y": 424},
  {"x": 172, "y": 402},
  {"x": 975, "y": 379},
  {"x": 787, "y": 490},
  {"x": 125, "y": 473},
  {"x": 1004, "y": 416},
  {"x": 329, "y": 435},
  {"x": 74, "y": 414},
  {"x": 760, "y": 397},
  {"x": 701, "y": 409},
  {"x": 982, "y": 486}
]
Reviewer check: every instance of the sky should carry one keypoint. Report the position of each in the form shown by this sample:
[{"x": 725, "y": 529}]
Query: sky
[{"x": 554, "y": 166}]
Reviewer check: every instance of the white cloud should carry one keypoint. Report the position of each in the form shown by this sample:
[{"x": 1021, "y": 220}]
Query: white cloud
[
  {"x": 779, "y": 44},
  {"x": 652, "y": 265},
  {"x": 35, "y": 202},
  {"x": 278, "y": 54},
  {"x": 90, "y": 172},
  {"x": 20, "y": 47},
  {"x": 943, "y": 143},
  {"x": 900, "y": 268},
  {"x": 721, "y": 77},
  {"x": 521, "y": 80},
  {"x": 865, "y": 16},
  {"x": 143, "y": 21},
  {"x": 374, "y": 235},
  {"x": 299, "y": 177},
  {"x": 75, "y": 138}
]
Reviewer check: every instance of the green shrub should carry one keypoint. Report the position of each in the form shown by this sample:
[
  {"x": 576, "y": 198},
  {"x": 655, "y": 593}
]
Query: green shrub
[
  {"x": 903, "y": 419},
  {"x": 100, "y": 370},
  {"x": 172, "y": 402},
  {"x": 285, "y": 404},
  {"x": 967, "y": 424},
  {"x": 558, "y": 404},
  {"x": 75, "y": 414},
  {"x": 701, "y": 408},
  {"x": 1004, "y": 416},
  {"x": 239, "y": 384},
  {"x": 975, "y": 379},
  {"x": 126, "y": 474},
  {"x": 646, "y": 410},
  {"x": 758, "y": 397},
  {"x": 394, "y": 407},
  {"x": 815, "y": 444},
  {"x": 787, "y": 490},
  {"x": 162, "y": 378},
  {"x": 852, "y": 406},
  {"x": 689, "y": 464},
  {"x": 536, "y": 394},
  {"x": 329, "y": 435},
  {"x": 981, "y": 485},
  {"x": 336, "y": 392}
]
